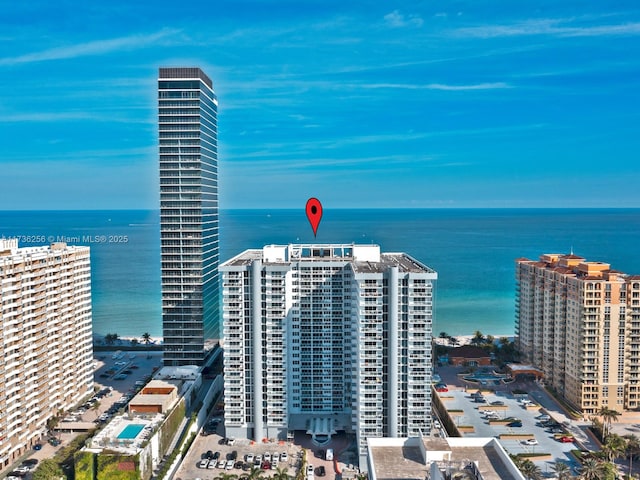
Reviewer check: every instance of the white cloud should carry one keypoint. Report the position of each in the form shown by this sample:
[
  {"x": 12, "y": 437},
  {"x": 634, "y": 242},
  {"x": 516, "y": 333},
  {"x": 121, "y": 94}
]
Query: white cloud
[
  {"x": 555, "y": 27},
  {"x": 396, "y": 19},
  {"x": 97, "y": 47},
  {"x": 438, "y": 86}
]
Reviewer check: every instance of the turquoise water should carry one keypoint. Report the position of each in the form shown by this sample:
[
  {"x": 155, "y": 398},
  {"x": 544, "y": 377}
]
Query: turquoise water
[
  {"x": 473, "y": 252},
  {"x": 131, "y": 431}
]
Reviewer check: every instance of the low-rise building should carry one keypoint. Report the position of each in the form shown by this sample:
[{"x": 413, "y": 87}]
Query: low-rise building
[
  {"x": 469, "y": 356},
  {"x": 157, "y": 396},
  {"x": 436, "y": 458}
]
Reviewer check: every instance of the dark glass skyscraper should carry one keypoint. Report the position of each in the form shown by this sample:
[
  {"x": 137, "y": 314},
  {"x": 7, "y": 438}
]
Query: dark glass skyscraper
[{"x": 188, "y": 137}]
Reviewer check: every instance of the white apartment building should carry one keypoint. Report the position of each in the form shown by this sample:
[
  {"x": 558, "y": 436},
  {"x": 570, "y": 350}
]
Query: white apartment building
[
  {"x": 46, "y": 352},
  {"x": 327, "y": 338}
]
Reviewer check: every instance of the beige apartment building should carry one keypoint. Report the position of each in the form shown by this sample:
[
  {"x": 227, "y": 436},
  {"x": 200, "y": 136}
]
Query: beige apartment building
[
  {"x": 579, "y": 322},
  {"x": 46, "y": 353}
]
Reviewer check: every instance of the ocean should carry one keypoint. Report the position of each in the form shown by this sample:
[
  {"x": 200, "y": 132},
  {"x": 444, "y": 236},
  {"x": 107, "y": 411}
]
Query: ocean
[{"x": 473, "y": 251}]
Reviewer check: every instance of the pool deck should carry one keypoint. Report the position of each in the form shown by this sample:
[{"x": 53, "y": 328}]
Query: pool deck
[{"x": 110, "y": 435}]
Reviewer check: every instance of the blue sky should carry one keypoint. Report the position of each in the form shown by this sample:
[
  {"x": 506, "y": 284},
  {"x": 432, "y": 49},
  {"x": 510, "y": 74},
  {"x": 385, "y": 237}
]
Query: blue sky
[{"x": 362, "y": 104}]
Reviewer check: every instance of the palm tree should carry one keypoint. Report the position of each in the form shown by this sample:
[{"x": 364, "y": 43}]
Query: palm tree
[
  {"x": 95, "y": 407},
  {"x": 608, "y": 416},
  {"x": 614, "y": 447},
  {"x": 134, "y": 342},
  {"x": 632, "y": 448},
  {"x": 146, "y": 338},
  {"x": 562, "y": 471},
  {"x": 591, "y": 469},
  {"x": 478, "y": 338},
  {"x": 531, "y": 470},
  {"x": 254, "y": 474},
  {"x": 226, "y": 476},
  {"x": 453, "y": 341},
  {"x": 52, "y": 423},
  {"x": 281, "y": 474}
]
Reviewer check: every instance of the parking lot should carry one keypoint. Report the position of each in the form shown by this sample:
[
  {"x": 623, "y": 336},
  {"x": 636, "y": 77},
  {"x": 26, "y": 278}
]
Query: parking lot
[
  {"x": 542, "y": 436},
  {"x": 115, "y": 394},
  {"x": 210, "y": 455},
  {"x": 243, "y": 454}
]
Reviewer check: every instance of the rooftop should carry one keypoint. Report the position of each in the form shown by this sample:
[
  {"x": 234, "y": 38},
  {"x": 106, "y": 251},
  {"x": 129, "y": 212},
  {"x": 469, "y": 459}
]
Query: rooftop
[
  {"x": 363, "y": 258},
  {"x": 429, "y": 458}
]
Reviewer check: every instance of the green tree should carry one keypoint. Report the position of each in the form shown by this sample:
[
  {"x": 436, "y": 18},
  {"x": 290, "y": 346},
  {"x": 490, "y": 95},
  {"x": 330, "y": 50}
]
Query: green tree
[
  {"x": 478, "y": 338},
  {"x": 281, "y": 474},
  {"x": 632, "y": 448},
  {"x": 226, "y": 476},
  {"x": 146, "y": 338},
  {"x": 48, "y": 470},
  {"x": 614, "y": 447},
  {"x": 531, "y": 470},
  {"x": 591, "y": 469},
  {"x": 453, "y": 341},
  {"x": 608, "y": 416},
  {"x": 254, "y": 474},
  {"x": 562, "y": 471},
  {"x": 96, "y": 408},
  {"x": 52, "y": 423}
]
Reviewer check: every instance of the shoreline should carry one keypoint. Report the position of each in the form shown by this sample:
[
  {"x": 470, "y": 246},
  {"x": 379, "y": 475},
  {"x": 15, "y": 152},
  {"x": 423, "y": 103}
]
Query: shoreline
[
  {"x": 466, "y": 339},
  {"x": 100, "y": 340}
]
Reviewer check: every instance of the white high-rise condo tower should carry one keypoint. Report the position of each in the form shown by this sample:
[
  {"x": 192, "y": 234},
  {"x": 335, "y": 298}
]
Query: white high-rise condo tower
[
  {"x": 327, "y": 338},
  {"x": 188, "y": 136}
]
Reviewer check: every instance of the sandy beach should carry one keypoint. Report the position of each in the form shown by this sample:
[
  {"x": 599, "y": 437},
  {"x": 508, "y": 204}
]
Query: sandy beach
[
  {"x": 99, "y": 339},
  {"x": 466, "y": 339}
]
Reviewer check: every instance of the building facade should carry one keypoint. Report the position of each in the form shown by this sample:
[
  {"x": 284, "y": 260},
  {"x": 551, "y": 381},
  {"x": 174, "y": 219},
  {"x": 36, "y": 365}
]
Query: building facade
[
  {"x": 579, "y": 322},
  {"x": 188, "y": 137},
  {"x": 46, "y": 349},
  {"x": 327, "y": 338}
]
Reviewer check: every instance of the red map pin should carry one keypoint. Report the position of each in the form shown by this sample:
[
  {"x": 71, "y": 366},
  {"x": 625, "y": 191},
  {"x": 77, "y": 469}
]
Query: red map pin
[{"x": 314, "y": 213}]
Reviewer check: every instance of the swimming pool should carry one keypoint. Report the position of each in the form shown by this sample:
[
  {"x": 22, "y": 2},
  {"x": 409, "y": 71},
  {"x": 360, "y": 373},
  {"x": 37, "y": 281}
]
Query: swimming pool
[{"x": 131, "y": 431}]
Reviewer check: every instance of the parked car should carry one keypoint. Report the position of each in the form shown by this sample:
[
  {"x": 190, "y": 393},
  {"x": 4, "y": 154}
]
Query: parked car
[
  {"x": 204, "y": 463},
  {"x": 441, "y": 385},
  {"x": 566, "y": 439},
  {"x": 309, "y": 469},
  {"x": 497, "y": 403},
  {"x": 530, "y": 441},
  {"x": 442, "y": 389},
  {"x": 266, "y": 465},
  {"x": 249, "y": 458},
  {"x": 230, "y": 464},
  {"x": 514, "y": 424},
  {"x": 543, "y": 417},
  {"x": 284, "y": 457}
]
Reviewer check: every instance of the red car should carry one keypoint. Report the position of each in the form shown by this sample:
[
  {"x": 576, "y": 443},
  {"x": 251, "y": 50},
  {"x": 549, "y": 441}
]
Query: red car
[
  {"x": 566, "y": 439},
  {"x": 442, "y": 389}
]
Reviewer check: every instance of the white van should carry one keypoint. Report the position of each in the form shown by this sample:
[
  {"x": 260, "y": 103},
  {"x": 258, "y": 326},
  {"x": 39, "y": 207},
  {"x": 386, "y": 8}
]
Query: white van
[{"x": 329, "y": 454}]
